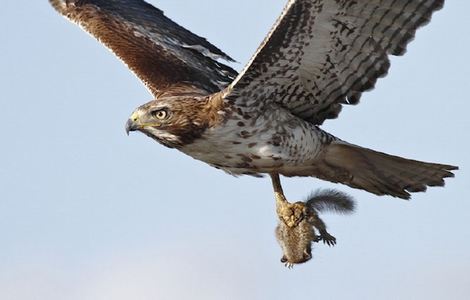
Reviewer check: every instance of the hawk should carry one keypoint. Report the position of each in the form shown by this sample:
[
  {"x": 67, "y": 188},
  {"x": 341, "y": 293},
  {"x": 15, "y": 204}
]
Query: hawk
[{"x": 319, "y": 56}]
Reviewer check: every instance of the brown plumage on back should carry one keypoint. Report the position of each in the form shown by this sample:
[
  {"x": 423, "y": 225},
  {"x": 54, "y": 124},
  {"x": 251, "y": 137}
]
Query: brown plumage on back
[{"x": 164, "y": 55}]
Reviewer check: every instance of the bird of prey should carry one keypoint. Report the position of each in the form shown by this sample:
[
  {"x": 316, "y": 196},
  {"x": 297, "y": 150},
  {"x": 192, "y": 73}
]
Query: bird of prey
[{"x": 319, "y": 56}]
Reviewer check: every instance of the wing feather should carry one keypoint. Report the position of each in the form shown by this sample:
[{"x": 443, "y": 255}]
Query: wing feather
[
  {"x": 164, "y": 55},
  {"x": 321, "y": 54}
]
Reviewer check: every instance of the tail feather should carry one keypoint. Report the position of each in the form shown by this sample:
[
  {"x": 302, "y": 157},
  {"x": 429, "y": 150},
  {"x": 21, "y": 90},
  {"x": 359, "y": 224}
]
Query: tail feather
[
  {"x": 331, "y": 200},
  {"x": 380, "y": 173}
]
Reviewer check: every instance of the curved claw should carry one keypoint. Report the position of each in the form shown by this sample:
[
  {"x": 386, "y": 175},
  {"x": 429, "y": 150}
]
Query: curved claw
[
  {"x": 327, "y": 239},
  {"x": 289, "y": 265}
]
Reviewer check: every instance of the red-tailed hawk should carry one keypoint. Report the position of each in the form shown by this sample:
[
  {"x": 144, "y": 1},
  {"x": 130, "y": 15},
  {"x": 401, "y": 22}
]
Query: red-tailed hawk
[{"x": 320, "y": 55}]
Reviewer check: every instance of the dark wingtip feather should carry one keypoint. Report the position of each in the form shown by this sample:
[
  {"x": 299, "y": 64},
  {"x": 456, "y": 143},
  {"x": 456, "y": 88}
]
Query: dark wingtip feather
[{"x": 401, "y": 47}]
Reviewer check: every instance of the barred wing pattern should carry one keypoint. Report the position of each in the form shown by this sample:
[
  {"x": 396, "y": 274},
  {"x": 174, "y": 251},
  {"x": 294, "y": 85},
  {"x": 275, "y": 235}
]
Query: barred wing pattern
[
  {"x": 164, "y": 55},
  {"x": 321, "y": 54}
]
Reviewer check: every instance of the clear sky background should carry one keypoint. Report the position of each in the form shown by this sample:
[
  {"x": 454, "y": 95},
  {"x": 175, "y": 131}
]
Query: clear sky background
[{"x": 87, "y": 213}]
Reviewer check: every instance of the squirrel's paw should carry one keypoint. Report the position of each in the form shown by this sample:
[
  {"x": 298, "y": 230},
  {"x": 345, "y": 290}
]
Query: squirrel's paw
[{"x": 326, "y": 238}]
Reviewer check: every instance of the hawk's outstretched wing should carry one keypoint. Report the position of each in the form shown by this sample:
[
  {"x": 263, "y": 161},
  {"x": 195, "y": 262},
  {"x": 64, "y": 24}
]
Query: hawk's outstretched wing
[
  {"x": 164, "y": 55},
  {"x": 324, "y": 53}
]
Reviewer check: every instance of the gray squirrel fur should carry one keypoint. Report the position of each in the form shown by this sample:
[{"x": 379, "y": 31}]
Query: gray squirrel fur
[{"x": 299, "y": 223}]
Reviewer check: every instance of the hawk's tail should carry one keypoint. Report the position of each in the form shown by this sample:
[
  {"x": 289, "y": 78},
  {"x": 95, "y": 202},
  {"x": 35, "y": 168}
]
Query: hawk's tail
[{"x": 379, "y": 173}]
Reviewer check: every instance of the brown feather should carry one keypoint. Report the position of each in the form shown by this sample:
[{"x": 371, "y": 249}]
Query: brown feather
[
  {"x": 379, "y": 173},
  {"x": 164, "y": 55}
]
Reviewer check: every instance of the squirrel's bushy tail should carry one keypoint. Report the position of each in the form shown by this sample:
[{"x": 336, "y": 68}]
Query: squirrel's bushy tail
[{"x": 331, "y": 200}]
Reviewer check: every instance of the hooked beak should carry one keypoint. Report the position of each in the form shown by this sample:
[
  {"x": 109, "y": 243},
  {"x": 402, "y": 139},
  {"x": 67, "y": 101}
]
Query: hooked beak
[
  {"x": 131, "y": 126},
  {"x": 133, "y": 123}
]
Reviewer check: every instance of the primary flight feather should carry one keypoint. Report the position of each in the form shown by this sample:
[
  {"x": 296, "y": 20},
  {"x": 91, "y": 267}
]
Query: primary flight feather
[{"x": 320, "y": 55}]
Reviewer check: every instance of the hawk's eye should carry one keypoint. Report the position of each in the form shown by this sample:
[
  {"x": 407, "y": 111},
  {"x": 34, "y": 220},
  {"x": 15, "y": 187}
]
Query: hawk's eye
[{"x": 160, "y": 114}]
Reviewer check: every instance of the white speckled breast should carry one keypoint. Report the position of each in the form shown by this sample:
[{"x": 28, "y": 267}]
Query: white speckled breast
[{"x": 248, "y": 143}]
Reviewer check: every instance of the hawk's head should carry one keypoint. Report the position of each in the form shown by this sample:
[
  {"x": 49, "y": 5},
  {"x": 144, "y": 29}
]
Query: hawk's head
[{"x": 172, "y": 121}]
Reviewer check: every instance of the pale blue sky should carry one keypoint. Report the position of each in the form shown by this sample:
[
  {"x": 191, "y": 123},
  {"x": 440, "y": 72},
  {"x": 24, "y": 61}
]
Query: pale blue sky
[{"x": 89, "y": 213}]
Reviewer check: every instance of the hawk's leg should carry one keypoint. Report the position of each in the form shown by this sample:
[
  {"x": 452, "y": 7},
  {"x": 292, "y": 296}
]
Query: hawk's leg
[
  {"x": 278, "y": 192},
  {"x": 289, "y": 213}
]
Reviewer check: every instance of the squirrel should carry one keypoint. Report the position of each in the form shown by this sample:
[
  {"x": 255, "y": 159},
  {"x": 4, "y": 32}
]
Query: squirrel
[{"x": 295, "y": 231}]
